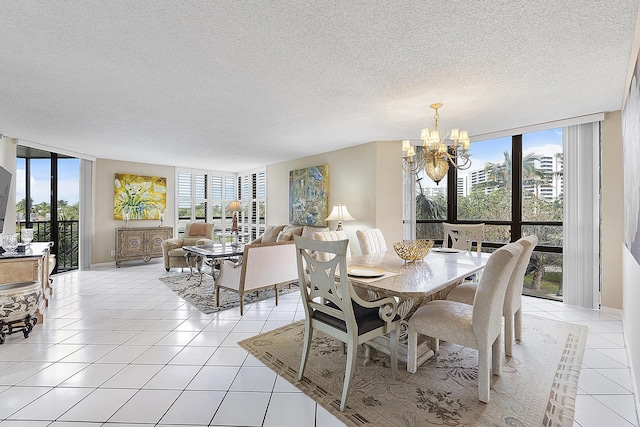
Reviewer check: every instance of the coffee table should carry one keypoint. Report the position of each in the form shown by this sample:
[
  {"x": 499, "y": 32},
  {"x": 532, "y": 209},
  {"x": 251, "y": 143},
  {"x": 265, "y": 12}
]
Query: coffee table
[{"x": 197, "y": 256}]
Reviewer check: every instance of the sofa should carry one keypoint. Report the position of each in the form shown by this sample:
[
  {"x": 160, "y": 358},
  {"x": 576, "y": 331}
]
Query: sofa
[
  {"x": 285, "y": 233},
  {"x": 268, "y": 261},
  {"x": 195, "y": 234}
]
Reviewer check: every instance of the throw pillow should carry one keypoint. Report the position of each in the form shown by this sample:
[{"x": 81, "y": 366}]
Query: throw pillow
[
  {"x": 307, "y": 231},
  {"x": 198, "y": 229},
  {"x": 293, "y": 229},
  {"x": 271, "y": 233},
  {"x": 284, "y": 237}
]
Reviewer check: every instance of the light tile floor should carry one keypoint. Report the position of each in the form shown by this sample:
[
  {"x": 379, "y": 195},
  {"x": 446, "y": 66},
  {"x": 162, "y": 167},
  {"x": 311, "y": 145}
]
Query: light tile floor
[{"x": 118, "y": 348}]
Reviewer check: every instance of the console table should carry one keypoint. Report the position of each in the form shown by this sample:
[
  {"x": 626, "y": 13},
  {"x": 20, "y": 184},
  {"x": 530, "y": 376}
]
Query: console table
[
  {"x": 32, "y": 265},
  {"x": 140, "y": 243}
]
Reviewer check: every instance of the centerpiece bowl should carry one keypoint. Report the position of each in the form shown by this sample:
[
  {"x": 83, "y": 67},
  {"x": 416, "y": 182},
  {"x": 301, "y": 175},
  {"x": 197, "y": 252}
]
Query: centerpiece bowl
[{"x": 413, "y": 250}]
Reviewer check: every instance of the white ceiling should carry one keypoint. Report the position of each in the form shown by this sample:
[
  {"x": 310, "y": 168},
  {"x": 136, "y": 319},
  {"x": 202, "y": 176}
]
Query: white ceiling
[{"x": 232, "y": 85}]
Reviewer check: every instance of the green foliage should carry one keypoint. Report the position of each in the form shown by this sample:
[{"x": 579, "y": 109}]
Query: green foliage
[
  {"x": 65, "y": 210},
  {"x": 494, "y": 205}
]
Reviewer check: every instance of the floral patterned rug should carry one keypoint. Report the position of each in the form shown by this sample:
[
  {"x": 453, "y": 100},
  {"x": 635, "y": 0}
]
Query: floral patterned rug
[
  {"x": 202, "y": 296},
  {"x": 537, "y": 387}
]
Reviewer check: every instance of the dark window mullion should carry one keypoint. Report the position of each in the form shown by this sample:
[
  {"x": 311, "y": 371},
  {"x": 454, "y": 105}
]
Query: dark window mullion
[{"x": 516, "y": 187}]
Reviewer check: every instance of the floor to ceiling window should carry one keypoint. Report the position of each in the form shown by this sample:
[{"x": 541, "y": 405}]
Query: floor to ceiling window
[
  {"x": 206, "y": 197},
  {"x": 514, "y": 186},
  {"x": 47, "y": 200}
]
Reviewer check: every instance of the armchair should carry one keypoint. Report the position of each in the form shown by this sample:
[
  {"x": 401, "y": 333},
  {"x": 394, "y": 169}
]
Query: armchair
[
  {"x": 196, "y": 233},
  {"x": 263, "y": 266},
  {"x": 335, "y": 309}
]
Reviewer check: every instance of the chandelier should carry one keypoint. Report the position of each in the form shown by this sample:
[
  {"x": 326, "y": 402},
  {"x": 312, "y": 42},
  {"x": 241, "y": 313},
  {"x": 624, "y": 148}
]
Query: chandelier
[{"x": 437, "y": 153}]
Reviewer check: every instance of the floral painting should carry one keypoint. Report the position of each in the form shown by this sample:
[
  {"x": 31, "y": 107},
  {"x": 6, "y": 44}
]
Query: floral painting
[
  {"x": 309, "y": 195},
  {"x": 139, "y": 197}
]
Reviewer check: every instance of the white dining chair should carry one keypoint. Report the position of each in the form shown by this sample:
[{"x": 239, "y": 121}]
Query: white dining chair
[
  {"x": 334, "y": 308},
  {"x": 477, "y": 326},
  {"x": 512, "y": 310},
  {"x": 371, "y": 241},
  {"x": 330, "y": 236},
  {"x": 463, "y": 236}
]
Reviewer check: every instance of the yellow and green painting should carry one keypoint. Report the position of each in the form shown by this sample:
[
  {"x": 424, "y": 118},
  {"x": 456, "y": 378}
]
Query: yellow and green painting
[{"x": 139, "y": 197}]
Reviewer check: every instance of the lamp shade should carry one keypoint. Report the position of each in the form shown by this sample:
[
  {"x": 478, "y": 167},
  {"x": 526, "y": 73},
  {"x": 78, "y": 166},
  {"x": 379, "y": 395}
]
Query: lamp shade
[
  {"x": 235, "y": 206},
  {"x": 340, "y": 213}
]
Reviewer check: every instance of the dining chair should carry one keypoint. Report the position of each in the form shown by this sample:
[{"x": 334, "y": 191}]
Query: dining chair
[
  {"x": 330, "y": 236},
  {"x": 477, "y": 326},
  {"x": 463, "y": 236},
  {"x": 512, "y": 310},
  {"x": 332, "y": 306},
  {"x": 371, "y": 241}
]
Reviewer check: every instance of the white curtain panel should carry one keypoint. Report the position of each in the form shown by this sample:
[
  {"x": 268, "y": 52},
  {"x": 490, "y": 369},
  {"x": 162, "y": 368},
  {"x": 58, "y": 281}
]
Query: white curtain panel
[
  {"x": 581, "y": 222},
  {"x": 409, "y": 206},
  {"x": 86, "y": 214}
]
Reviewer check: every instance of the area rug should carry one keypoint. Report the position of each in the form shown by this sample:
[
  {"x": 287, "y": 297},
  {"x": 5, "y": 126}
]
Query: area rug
[
  {"x": 202, "y": 296},
  {"x": 537, "y": 387}
]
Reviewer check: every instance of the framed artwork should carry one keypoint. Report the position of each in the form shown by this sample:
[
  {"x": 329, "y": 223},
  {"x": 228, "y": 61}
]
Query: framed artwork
[
  {"x": 631, "y": 159},
  {"x": 139, "y": 197},
  {"x": 309, "y": 195}
]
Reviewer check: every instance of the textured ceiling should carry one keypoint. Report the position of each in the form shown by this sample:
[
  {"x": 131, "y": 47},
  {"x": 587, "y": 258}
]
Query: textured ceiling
[{"x": 233, "y": 85}]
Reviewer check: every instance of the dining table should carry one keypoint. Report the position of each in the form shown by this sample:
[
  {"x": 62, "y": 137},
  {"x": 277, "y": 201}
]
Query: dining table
[{"x": 412, "y": 284}]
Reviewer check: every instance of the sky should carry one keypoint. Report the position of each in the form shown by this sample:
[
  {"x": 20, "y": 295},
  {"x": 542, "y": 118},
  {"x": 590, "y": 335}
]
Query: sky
[{"x": 68, "y": 180}]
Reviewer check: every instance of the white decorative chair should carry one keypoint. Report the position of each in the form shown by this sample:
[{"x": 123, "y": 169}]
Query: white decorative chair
[
  {"x": 263, "y": 266},
  {"x": 371, "y": 241},
  {"x": 477, "y": 326},
  {"x": 334, "y": 308},
  {"x": 463, "y": 236},
  {"x": 512, "y": 310}
]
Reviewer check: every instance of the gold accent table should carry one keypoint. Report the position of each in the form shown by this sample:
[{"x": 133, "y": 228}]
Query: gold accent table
[{"x": 143, "y": 243}]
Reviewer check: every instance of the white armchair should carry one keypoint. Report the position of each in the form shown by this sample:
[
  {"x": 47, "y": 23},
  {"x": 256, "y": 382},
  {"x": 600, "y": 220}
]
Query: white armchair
[
  {"x": 476, "y": 326},
  {"x": 263, "y": 266}
]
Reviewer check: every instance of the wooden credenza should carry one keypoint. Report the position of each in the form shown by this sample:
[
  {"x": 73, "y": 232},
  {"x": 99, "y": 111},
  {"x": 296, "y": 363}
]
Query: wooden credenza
[{"x": 140, "y": 242}]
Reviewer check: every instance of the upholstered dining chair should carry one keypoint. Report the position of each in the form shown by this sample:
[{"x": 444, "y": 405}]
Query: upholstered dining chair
[
  {"x": 463, "y": 236},
  {"x": 330, "y": 236},
  {"x": 512, "y": 310},
  {"x": 332, "y": 306},
  {"x": 371, "y": 241},
  {"x": 477, "y": 326}
]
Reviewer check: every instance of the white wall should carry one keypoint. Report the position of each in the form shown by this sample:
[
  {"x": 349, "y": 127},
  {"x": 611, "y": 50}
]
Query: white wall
[
  {"x": 105, "y": 225},
  {"x": 611, "y": 211},
  {"x": 366, "y": 178}
]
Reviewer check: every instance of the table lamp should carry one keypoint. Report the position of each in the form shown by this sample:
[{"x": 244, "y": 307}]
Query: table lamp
[
  {"x": 235, "y": 207},
  {"x": 340, "y": 213}
]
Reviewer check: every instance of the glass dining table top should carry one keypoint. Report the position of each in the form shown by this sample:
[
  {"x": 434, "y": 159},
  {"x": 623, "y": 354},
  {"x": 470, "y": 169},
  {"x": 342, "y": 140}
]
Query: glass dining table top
[{"x": 419, "y": 278}]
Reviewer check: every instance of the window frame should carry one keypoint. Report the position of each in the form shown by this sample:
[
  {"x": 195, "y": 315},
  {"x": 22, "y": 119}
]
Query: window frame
[{"x": 516, "y": 223}]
